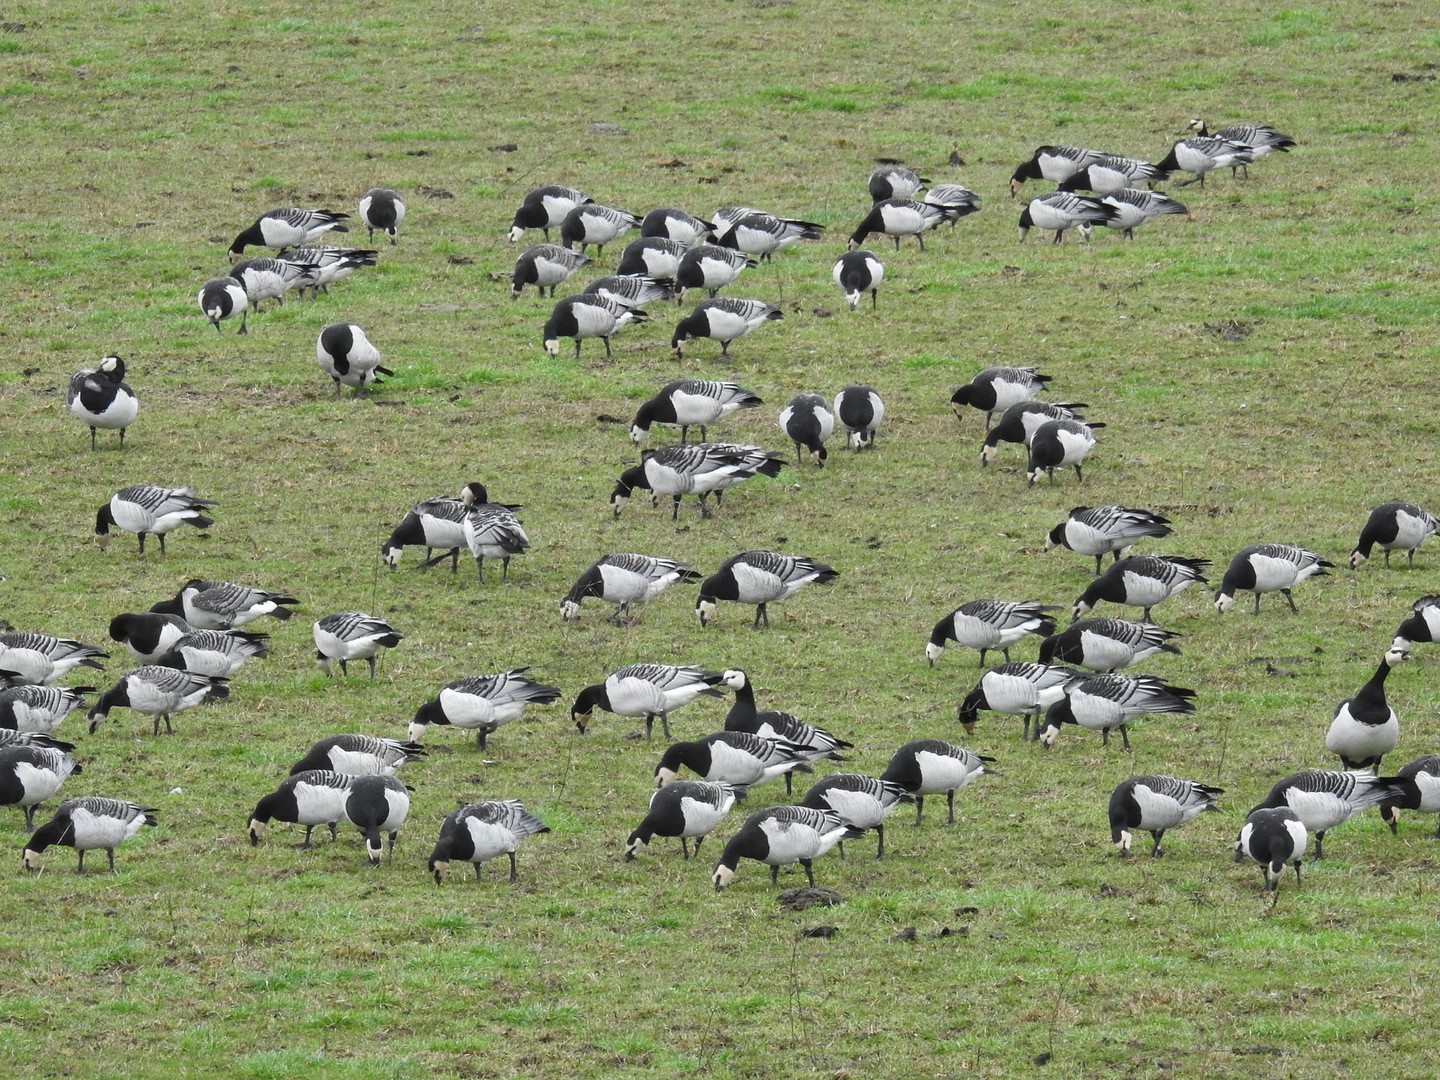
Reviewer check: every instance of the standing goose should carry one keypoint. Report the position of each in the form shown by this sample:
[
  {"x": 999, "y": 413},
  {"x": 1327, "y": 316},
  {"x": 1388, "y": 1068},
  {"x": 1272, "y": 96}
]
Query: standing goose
[
  {"x": 492, "y": 529},
  {"x": 348, "y": 357},
  {"x": 544, "y": 266},
  {"x": 1110, "y": 173},
  {"x": 955, "y": 199},
  {"x": 735, "y": 757},
  {"x": 1057, "y": 443},
  {"x": 39, "y": 709},
  {"x": 214, "y": 652},
  {"x": 697, "y": 469},
  {"x": 896, "y": 218},
  {"x": 223, "y": 298},
  {"x": 1133, "y": 208},
  {"x": 479, "y": 832},
  {"x": 581, "y": 317},
  {"x": 782, "y": 836},
  {"x": 160, "y": 692},
  {"x": 781, "y": 726},
  {"x": 545, "y": 208},
  {"x": 101, "y": 397},
  {"x": 85, "y": 824},
  {"x": 149, "y": 509},
  {"x": 863, "y": 802},
  {"x": 1200, "y": 156},
  {"x": 1260, "y": 139},
  {"x": 647, "y": 690},
  {"x": 759, "y": 578},
  {"x": 359, "y": 755},
  {"x": 1365, "y": 727},
  {"x": 689, "y": 403},
  {"x": 1273, "y": 837},
  {"x": 40, "y": 659},
  {"x": 287, "y": 227},
  {"x": 1016, "y": 687},
  {"x": 434, "y": 523},
  {"x": 623, "y": 579},
  {"x": 271, "y": 279},
  {"x": 990, "y": 624},
  {"x": 629, "y": 290},
  {"x": 996, "y": 389},
  {"x": 1104, "y": 703},
  {"x": 808, "y": 421},
  {"x": 1422, "y": 625},
  {"x": 591, "y": 223},
  {"x": 653, "y": 257},
  {"x": 856, "y": 273},
  {"x": 352, "y": 635},
  {"x": 384, "y": 209},
  {"x": 894, "y": 182},
  {"x": 482, "y": 703},
  {"x": 931, "y": 766},
  {"x": 860, "y": 412},
  {"x": 31, "y": 774},
  {"x": 330, "y": 264},
  {"x": 1322, "y": 799},
  {"x": 1422, "y": 793},
  {"x": 760, "y": 234},
  {"x": 1020, "y": 421},
  {"x": 722, "y": 319},
  {"x": 1061, "y": 210},
  {"x": 711, "y": 267},
  {"x": 1106, "y": 645},
  {"x": 376, "y": 805},
  {"x": 1141, "y": 581},
  {"x": 1155, "y": 804},
  {"x": 1054, "y": 163},
  {"x": 223, "y": 605},
  {"x": 1098, "y": 530},
  {"x": 686, "y": 808},
  {"x": 315, "y": 797},
  {"x": 1266, "y": 568},
  {"x": 670, "y": 223},
  {"x": 1395, "y": 526}
]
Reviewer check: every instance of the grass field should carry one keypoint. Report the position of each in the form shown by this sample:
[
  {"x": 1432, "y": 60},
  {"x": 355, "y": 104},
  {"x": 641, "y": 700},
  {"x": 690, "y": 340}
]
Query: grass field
[{"x": 1265, "y": 372}]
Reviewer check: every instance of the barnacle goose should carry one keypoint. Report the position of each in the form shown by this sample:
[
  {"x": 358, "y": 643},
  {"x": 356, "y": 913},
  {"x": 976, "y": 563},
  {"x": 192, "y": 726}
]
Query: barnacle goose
[
  {"x": 271, "y": 279},
  {"x": 647, "y": 690},
  {"x": 493, "y": 529},
  {"x": 434, "y": 523},
  {"x": 1141, "y": 581},
  {"x": 1061, "y": 210},
  {"x": 376, "y": 805},
  {"x": 544, "y": 266},
  {"x": 670, "y": 223},
  {"x": 1057, "y": 443},
  {"x": 996, "y": 389},
  {"x": 654, "y": 257},
  {"x": 34, "y": 738},
  {"x": 781, "y": 726},
  {"x": 710, "y": 267},
  {"x": 894, "y": 182},
  {"x": 40, "y": 659},
  {"x": 736, "y": 757},
  {"x": 1156, "y": 803},
  {"x": 1020, "y": 421},
  {"x": 223, "y": 605},
  {"x": 223, "y": 298},
  {"x": 482, "y": 703},
  {"x": 990, "y": 624},
  {"x": 760, "y": 234},
  {"x": 352, "y": 635},
  {"x": 1422, "y": 791},
  {"x": 1422, "y": 625},
  {"x": 315, "y": 797},
  {"x": 1016, "y": 687},
  {"x": 591, "y": 223},
  {"x": 149, "y": 509},
  {"x": 1273, "y": 837},
  {"x": 896, "y": 218},
  {"x": 624, "y": 578},
  {"x": 1395, "y": 526},
  {"x": 856, "y": 273},
  {"x": 782, "y": 836},
  {"x": 39, "y": 709},
  {"x": 359, "y": 755},
  {"x": 860, "y": 412},
  {"x": 479, "y": 832},
  {"x": 1105, "y": 702},
  {"x": 348, "y": 357},
  {"x": 808, "y": 421},
  {"x": 31, "y": 774},
  {"x": 692, "y": 403},
  {"x": 1106, "y": 644},
  {"x": 1201, "y": 155},
  {"x": 759, "y": 578},
  {"x": 698, "y": 469},
  {"x": 1133, "y": 208},
  {"x": 629, "y": 290},
  {"x": 1261, "y": 139},
  {"x": 1054, "y": 163},
  {"x": 931, "y": 766},
  {"x": 1111, "y": 173},
  {"x": 329, "y": 265},
  {"x": 214, "y": 652},
  {"x": 88, "y": 823},
  {"x": 1323, "y": 799},
  {"x": 1264, "y": 568},
  {"x": 686, "y": 808},
  {"x": 584, "y": 316},
  {"x": 1098, "y": 530},
  {"x": 862, "y": 802},
  {"x": 955, "y": 199},
  {"x": 159, "y": 692},
  {"x": 544, "y": 208},
  {"x": 100, "y": 397},
  {"x": 1365, "y": 727},
  {"x": 384, "y": 209},
  {"x": 287, "y": 227},
  {"x": 722, "y": 319}
]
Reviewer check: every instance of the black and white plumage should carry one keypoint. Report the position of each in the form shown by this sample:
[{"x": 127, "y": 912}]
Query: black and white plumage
[
  {"x": 808, "y": 422},
  {"x": 711, "y": 267},
  {"x": 34, "y": 738},
  {"x": 359, "y": 755},
  {"x": 697, "y": 469},
  {"x": 1264, "y": 568},
  {"x": 686, "y": 809},
  {"x": 288, "y": 227},
  {"x": 591, "y": 316},
  {"x": 101, "y": 398},
  {"x": 1261, "y": 139},
  {"x": 1323, "y": 799},
  {"x": 629, "y": 290},
  {"x": 781, "y": 836},
  {"x": 434, "y": 523},
  {"x": 1273, "y": 837},
  {"x": 896, "y": 218},
  {"x": 40, "y": 659},
  {"x": 736, "y": 757},
  {"x": 1054, "y": 163},
  {"x": 1365, "y": 727},
  {"x": 688, "y": 403},
  {"x": 1016, "y": 688},
  {"x": 671, "y": 223},
  {"x": 862, "y": 802},
  {"x": 1133, "y": 207},
  {"x": 956, "y": 200},
  {"x": 377, "y": 805},
  {"x": 1201, "y": 155},
  {"x": 1423, "y": 624},
  {"x": 647, "y": 690},
  {"x": 160, "y": 692},
  {"x": 894, "y": 182},
  {"x": 223, "y": 298},
  {"x": 271, "y": 279},
  {"x": 624, "y": 578},
  {"x": 856, "y": 273},
  {"x": 545, "y": 208},
  {"x": 215, "y": 652},
  {"x": 1098, "y": 530},
  {"x": 544, "y": 266},
  {"x": 149, "y": 509},
  {"x": 384, "y": 209},
  {"x": 1057, "y": 443},
  {"x": 31, "y": 774},
  {"x": 479, "y": 832},
  {"x": 1104, "y": 703},
  {"x": 1106, "y": 644},
  {"x": 224, "y": 605},
  {"x": 990, "y": 624},
  {"x": 653, "y": 257},
  {"x": 1020, "y": 421},
  {"x": 39, "y": 709},
  {"x": 1111, "y": 173},
  {"x": 1395, "y": 526},
  {"x": 1422, "y": 791},
  {"x": 1141, "y": 581},
  {"x": 723, "y": 319},
  {"x": 347, "y": 356},
  {"x": 860, "y": 412},
  {"x": 482, "y": 703},
  {"x": 781, "y": 726},
  {"x": 328, "y": 264},
  {"x": 932, "y": 766},
  {"x": 591, "y": 223},
  {"x": 314, "y": 797},
  {"x": 760, "y": 234},
  {"x": 352, "y": 635},
  {"x": 86, "y": 824},
  {"x": 1156, "y": 804},
  {"x": 996, "y": 389},
  {"x": 493, "y": 530},
  {"x": 760, "y": 578},
  {"x": 1061, "y": 210}
]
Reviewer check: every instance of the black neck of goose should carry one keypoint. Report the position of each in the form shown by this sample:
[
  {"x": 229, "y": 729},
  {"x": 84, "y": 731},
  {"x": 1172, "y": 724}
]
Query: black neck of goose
[{"x": 1370, "y": 700}]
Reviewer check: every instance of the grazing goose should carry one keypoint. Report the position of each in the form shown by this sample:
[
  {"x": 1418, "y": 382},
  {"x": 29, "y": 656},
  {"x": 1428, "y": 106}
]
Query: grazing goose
[
  {"x": 654, "y": 257},
  {"x": 149, "y": 509},
  {"x": 215, "y": 652},
  {"x": 760, "y": 578},
  {"x": 647, "y": 690},
  {"x": 31, "y": 774},
  {"x": 735, "y": 757},
  {"x": 492, "y": 529},
  {"x": 376, "y": 805},
  {"x": 1098, "y": 530},
  {"x": 33, "y": 738},
  {"x": 1061, "y": 210},
  {"x": 223, "y": 605},
  {"x": 359, "y": 755},
  {"x": 691, "y": 403},
  {"x": 479, "y": 832},
  {"x": 629, "y": 290},
  {"x": 1155, "y": 804},
  {"x": 863, "y": 802},
  {"x": 1141, "y": 581},
  {"x": 782, "y": 836},
  {"x": 698, "y": 469},
  {"x": 1200, "y": 156},
  {"x": 1105, "y": 702},
  {"x": 956, "y": 200},
  {"x": 781, "y": 726},
  {"x": 1109, "y": 174},
  {"x": 1273, "y": 837},
  {"x": 1266, "y": 568},
  {"x": 1057, "y": 443},
  {"x": 722, "y": 319},
  {"x": 1020, "y": 421},
  {"x": 808, "y": 421},
  {"x": 40, "y": 659},
  {"x": 434, "y": 523},
  {"x": 996, "y": 389},
  {"x": 1395, "y": 526},
  {"x": 860, "y": 412},
  {"x": 894, "y": 182},
  {"x": 39, "y": 709},
  {"x": 1322, "y": 799},
  {"x": 316, "y": 797},
  {"x": 670, "y": 223},
  {"x": 271, "y": 279},
  {"x": 929, "y": 767},
  {"x": 582, "y": 317},
  {"x": 591, "y": 223},
  {"x": 1422, "y": 793},
  {"x": 346, "y": 355},
  {"x": 1261, "y": 140},
  {"x": 384, "y": 209},
  {"x": 1133, "y": 208},
  {"x": 482, "y": 703},
  {"x": 623, "y": 579},
  {"x": 1106, "y": 644},
  {"x": 896, "y": 218},
  {"x": 287, "y": 227},
  {"x": 1365, "y": 727},
  {"x": 100, "y": 397},
  {"x": 856, "y": 273},
  {"x": 1422, "y": 625},
  {"x": 1054, "y": 163},
  {"x": 160, "y": 692},
  {"x": 330, "y": 264},
  {"x": 544, "y": 266},
  {"x": 545, "y": 208},
  {"x": 760, "y": 234},
  {"x": 85, "y": 824},
  {"x": 686, "y": 808},
  {"x": 223, "y": 298},
  {"x": 710, "y": 267},
  {"x": 1016, "y": 687},
  {"x": 990, "y": 624},
  {"x": 352, "y": 635}
]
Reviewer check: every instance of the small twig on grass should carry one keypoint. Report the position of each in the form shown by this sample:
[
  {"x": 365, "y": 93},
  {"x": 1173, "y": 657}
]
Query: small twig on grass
[{"x": 1060, "y": 991}]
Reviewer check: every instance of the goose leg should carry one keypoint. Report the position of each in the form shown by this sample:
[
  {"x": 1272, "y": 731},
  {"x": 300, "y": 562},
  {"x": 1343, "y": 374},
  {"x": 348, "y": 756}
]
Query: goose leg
[
  {"x": 775, "y": 876},
  {"x": 1125, "y": 736},
  {"x": 919, "y": 806},
  {"x": 1288, "y": 597},
  {"x": 809, "y": 874},
  {"x": 513, "y": 872},
  {"x": 371, "y": 661},
  {"x": 950, "y": 802},
  {"x": 685, "y": 848},
  {"x": 1156, "y": 852},
  {"x": 880, "y": 832}
]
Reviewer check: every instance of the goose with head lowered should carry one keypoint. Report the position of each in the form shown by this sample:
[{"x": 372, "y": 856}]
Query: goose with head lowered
[
  {"x": 1016, "y": 687},
  {"x": 591, "y": 223},
  {"x": 435, "y": 523},
  {"x": 215, "y": 652},
  {"x": 1202, "y": 155},
  {"x": 1422, "y": 793},
  {"x": 647, "y": 690},
  {"x": 672, "y": 223},
  {"x": 1110, "y": 173},
  {"x": 545, "y": 208},
  {"x": 861, "y": 801},
  {"x": 482, "y": 703},
  {"x": 625, "y": 578},
  {"x": 359, "y": 755},
  {"x": 544, "y": 266},
  {"x": 932, "y": 766},
  {"x": 761, "y": 234},
  {"x": 736, "y": 757},
  {"x": 223, "y": 298},
  {"x": 710, "y": 267},
  {"x": 1156, "y": 803},
  {"x": 1133, "y": 208},
  {"x": 160, "y": 692},
  {"x": 39, "y": 709},
  {"x": 808, "y": 421},
  {"x": 1112, "y": 701},
  {"x": 1273, "y": 836},
  {"x": 347, "y": 356},
  {"x": 384, "y": 209},
  {"x": 990, "y": 624},
  {"x": 479, "y": 832},
  {"x": 224, "y": 605},
  {"x": 1102, "y": 530},
  {"x": 1054, "y": 163},
  {"x": 780, "y": 726},
  {"x": 1395, "y": 526},
  {"x": 309, "y": 798},
  {"x": 856, "y": 273},
  {"x": 1261, "y": 139},
  {"x": 101, "y": 398},
  {"x": 1141, "y": 581},
  {"x": 377, "y": 805},
  {"x": 1365, "y": 727},
  {"x": 1057, "y": 443},
  {"x": 687, "y": 403},
  {"x": 760, "y": 578},
  {"x": 352, "y": 635},
  {"x": 1423, "y": 624},
  {"x": 1263, "y": 568},
  {"x": 697, "y": 469},
  {"x": 289, "y": 226},
  {"x": 40, "y": 659},
  {"x": 151, "y": 510},
  {"x": 653, "y": 257},
  {"x": 688, "y": 809},
  {"x": 1322, "y": 799},
  {"x": 149, "y": 635},
  {"x": 994, "y": 389},
  {"x": 782, "y": 836},
  {"x": 30, "y": 774},
  {"x": 88, "y": 823},
  {"x": 723, "y": 319},
  {"x": 1106, "y": 644},
  {"x": 1020, "y": 421},
  {"x": 893, "y": 181},
  {"x": 587, "y": 316},
  {"x": 1062, "y": 210},
  {"x": 859, "y": 410},
  {"x": 896, "y": 218}
]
